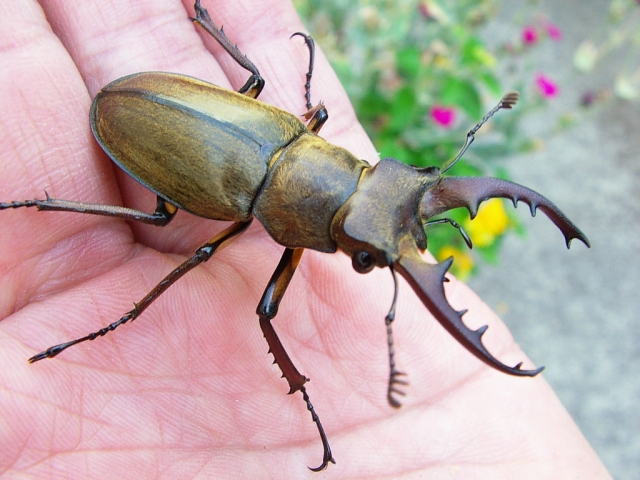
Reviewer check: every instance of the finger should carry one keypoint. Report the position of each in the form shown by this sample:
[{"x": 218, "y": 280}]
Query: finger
[
  {"x": 122, "y": 37},
  {"x": 262, "y": 31},
  {"x": 108, "y": 40},
  {"x": 45, "y": 143},
  {"x": 43, "y": 99}
]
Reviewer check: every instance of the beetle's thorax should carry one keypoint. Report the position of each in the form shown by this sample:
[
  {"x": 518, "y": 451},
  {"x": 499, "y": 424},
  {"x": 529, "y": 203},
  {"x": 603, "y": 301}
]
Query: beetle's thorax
[
  {"x": 304, "y": 189},
  {"x": 384, "y": 209}
]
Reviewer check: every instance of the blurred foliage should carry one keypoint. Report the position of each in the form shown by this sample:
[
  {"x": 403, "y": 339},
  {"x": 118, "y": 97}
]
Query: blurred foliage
[
  {"x": 420, "y": 75},
  {"x": 620, "y": 35}
]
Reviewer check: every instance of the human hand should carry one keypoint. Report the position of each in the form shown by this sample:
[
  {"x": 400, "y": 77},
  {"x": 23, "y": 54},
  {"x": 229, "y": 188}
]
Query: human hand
[{"x": 188, "y": 390}]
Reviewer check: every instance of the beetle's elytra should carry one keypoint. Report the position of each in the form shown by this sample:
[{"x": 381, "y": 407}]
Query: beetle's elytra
[{"x": 225, "y": 155}]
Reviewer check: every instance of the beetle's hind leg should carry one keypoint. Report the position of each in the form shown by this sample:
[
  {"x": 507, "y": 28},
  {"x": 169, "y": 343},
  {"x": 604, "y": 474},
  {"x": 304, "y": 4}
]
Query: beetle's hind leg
[
  {"x": 255, "y": 83},
  {"x": 162, "y": 215},
  {"x": 317, "y": 115},
  {"x": 267, "y": 310},
  {"x": 203, "y": 254}
]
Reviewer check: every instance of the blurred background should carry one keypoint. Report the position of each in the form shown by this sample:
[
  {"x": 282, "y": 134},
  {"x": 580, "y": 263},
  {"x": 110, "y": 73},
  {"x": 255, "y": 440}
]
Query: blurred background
[{"x": 421, "y": 73}]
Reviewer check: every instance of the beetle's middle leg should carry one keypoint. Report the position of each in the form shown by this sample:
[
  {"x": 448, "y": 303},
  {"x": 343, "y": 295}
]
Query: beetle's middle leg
[
  {"x": 267, "y": 310},
  {"x": 203, "y": 254},
  {"x": 317, "y": 115},
  {"x": 255, "y": 83}
]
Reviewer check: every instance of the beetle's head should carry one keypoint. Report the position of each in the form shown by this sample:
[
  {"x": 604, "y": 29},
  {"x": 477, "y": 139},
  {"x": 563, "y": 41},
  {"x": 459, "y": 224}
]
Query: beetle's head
[{"x": 382, "y": 225}]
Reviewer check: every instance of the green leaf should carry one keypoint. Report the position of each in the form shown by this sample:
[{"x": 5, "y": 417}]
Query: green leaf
[
  {"x": 403, "y": 109},
  {"x": 463, "y": 94},
  {"x": 409, "y": 62},
  {"x": 492, "y": 83}
]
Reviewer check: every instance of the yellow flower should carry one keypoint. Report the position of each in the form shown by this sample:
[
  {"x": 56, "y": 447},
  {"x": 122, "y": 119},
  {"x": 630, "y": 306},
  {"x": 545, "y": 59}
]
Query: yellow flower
[
  {"x": 491, "y": 222},
  {"x": 462, "y": 261},
  {"x": 442, "y": 62},
  {"x": 484, "y": 56}
]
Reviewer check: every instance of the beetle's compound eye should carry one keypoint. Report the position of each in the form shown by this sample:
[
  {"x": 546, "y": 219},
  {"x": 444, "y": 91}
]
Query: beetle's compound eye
[{"x": 363, "y": 262}]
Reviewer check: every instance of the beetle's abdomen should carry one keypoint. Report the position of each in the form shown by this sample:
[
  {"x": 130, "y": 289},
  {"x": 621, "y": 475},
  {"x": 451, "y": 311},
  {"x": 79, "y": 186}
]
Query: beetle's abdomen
[
  {"x": 304, "y": 189},
  {"x": 201, "y": 147}
]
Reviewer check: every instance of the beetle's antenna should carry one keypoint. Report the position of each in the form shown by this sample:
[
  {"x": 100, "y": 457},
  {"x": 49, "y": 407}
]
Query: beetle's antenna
[
  {"x": 508, "y": 101},
  {"x": 393, "y": 373},
  {"x": 454, "y": 224}
]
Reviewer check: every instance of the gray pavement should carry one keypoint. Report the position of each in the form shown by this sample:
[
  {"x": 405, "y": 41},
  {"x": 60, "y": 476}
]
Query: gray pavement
[{"x": 576, "y": 311}]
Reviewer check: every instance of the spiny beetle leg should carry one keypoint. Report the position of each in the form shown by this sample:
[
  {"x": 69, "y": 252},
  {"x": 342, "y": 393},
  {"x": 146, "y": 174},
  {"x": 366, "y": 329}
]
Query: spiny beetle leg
[
  {"x": 255, "y": 83},
  {"x": 267, "y": 310},
  {"x": 203, "y": 254},
  {"x": 162, "y": 215}
]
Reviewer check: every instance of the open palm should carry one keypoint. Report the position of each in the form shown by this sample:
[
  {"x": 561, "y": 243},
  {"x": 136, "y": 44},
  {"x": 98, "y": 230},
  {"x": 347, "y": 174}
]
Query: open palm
[{"x": 188, "y": 390}]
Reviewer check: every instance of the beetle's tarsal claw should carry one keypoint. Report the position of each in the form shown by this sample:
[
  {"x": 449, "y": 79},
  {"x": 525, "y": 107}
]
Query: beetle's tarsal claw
[
  {"x": 323, "y": 465},
  {"x": 56, "y": 349},
  {"x": 42, "y": 355},
  {"x": 307, "y": 38},
  {"x": 326, "y": 456}
]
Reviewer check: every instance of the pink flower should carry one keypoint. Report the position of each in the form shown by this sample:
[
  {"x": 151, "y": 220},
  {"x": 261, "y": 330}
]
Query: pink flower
[
  {"x": 424, "y": 11},
  {"x": 546, "y": 86},
  {"x": 443, "y": 116},
  {"x": 553, "y": 31},
  {"x": 529, "y": 35}
]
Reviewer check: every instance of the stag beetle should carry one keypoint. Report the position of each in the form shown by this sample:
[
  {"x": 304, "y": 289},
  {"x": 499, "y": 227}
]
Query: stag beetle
[{"x": 225, "y": 155}]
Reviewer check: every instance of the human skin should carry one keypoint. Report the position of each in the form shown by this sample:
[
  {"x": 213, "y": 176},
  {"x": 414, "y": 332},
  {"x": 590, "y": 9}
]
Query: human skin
[{"x": 188, "y": 390}]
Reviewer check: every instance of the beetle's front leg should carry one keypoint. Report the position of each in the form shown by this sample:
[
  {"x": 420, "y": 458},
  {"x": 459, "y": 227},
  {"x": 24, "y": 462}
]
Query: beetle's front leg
[
  {"x": 255, "y": 83},
  {"x": 267, "y": 310}
]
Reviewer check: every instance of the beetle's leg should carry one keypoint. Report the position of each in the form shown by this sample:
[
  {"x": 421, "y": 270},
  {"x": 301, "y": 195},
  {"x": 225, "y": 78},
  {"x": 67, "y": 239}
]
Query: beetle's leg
[
  {"x": 312, "y": 58},
  {"x": 394, "y": 374},
  {"x": 317, "y": 115},
  {"x": 255, "y": 83},
  {"x": 162, "y": 215},
  {"x": 267, "y": 309},
  {"x": 203, "y": 254}
]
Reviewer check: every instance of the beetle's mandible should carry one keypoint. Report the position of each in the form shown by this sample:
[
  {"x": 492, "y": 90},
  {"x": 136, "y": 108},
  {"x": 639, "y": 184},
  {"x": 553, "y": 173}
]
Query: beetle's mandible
[{"x": 225, "y": 155}]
